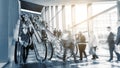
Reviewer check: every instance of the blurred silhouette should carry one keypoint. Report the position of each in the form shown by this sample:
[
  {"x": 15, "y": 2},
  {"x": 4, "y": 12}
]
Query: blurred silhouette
[
  {"x": 68, "y": 44},
  {"x": 117, "y": 43},
  {"x": 25, "y": 34},
  {"x": 111, "y": 44},
  {"x": 93, "y": 46},
  {"x": 44, "y": 35},
  {"x": 82, "y": 45},
  {"x": 55, "y": 32}
]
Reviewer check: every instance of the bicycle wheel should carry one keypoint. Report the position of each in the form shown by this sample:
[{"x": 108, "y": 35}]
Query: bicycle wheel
[
  {"x": 49, "y": 50},
  {"x": 42, "y": 51},
  {"x": 17, "y": 53}
]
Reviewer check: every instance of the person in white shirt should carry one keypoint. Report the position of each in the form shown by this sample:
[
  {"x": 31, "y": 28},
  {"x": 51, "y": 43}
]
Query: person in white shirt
[{"x": 93, "y": 45}]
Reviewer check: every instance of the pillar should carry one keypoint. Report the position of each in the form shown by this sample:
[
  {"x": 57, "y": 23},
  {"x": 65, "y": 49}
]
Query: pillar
[
  {"x": 63, "y": 18},
  {"x": 118, "y": 8},
  {"x": 57, "y": 17},
  {"x": 43, "y": 14},
  {"x": 51, "y": 19},
  {"x": 73, "y": 17},
  {"x": 89, "y": 14},
  {"x": 47, "y": 16}
]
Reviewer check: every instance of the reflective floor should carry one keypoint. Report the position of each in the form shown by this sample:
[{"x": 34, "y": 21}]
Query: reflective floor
[{"x": 99, "y": 63}]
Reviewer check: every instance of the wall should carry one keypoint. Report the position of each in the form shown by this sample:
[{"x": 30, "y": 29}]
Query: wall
[
  {"x": 3, "y": 30},
  {"x": 8, "y": 19},
  {"x": 13, "y": 16}
]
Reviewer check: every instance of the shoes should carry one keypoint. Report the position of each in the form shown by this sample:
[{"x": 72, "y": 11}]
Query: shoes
[
  {"x": 93, "y": 58},
  {"x": 97, "y": 57},
  {"x": 31, "y": 46},
  {"x": 75, "y": 61},
  {"x": 109, "y": 60},
  {"x": 64, "y": 60},
  {"x": 81, "y": 60},
  {"x": 117, "y": 61}
]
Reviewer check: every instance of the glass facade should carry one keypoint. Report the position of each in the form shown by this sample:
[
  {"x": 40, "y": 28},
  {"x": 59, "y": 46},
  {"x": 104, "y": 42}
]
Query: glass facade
[{"x": 100, "y": 18}]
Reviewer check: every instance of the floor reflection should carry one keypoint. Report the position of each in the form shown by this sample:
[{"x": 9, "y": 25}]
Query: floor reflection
[{"x": 68, "y": 64}]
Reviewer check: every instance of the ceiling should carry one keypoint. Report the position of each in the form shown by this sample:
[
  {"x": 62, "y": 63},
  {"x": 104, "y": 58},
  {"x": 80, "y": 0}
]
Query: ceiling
[
  {"x": 59, "y": 2},
  {"x": 31, "y": 6}
]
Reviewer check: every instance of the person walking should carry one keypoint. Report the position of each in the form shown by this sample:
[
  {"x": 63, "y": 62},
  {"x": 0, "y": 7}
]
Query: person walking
[
  {"x": 82, "y": 46},
  {"x": 117, "y": 41},
  {"x": 93, "y": 46},
  {"x": 68, "y": 44},
  {"x": 111, "y": 44}
]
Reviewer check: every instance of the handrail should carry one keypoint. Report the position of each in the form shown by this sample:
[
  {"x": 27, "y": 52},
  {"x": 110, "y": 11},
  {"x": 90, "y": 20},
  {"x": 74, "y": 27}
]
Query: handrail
[
  {"x": 50, "y": 33},
  {"x": 36, "y": 53},
  {"x": 35, "y": 32},
  {"x": 38, "y": 40},
  {"x": 94, "y": 16}
]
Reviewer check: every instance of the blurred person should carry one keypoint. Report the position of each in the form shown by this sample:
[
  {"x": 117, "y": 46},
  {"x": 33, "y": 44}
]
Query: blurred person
[
  {"x": 43, "y": 23},
  {"x": 111, "y": 44},
  {"x": 44, "y": 35},
  {"x": 25, "y": 35},
  {"x": 55, "y": 32},
  {"x": 46, "y": 26},
  {"x": 117, "y": 41},
  {"x": 59, "y": 33},
  {"x": 68, "y": 44},
  {"x": 93, "y": 46},
  {"x": 82, "y": 45}
]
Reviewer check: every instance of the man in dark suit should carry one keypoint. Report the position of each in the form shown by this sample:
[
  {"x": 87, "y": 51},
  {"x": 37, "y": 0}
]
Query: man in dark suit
[
  {"x": 118, "y": 36},
  {"x": 117, "y": 42},
  {"x": 111, "y": 44}
]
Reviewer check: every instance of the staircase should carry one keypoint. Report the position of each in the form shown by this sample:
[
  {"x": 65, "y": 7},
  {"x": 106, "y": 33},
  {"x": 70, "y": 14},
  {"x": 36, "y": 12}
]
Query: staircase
[{"x": 31, "y": 57}]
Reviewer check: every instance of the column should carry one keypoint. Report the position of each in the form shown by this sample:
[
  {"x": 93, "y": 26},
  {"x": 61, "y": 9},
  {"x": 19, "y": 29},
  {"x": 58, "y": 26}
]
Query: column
[
  {"x": 60, "y": 17},
  {"x": 57, "y": 17},
  {"x": 73, "y": 17},
  {"x": 118, "y": 8},
  {"x": 47, "y": 16},
  {"x": 43, "y": 14},
  {"x": 89, "y": 14},
  {"x": 54, "y": 17},
  {"x": 63, "y": 18},
  {"x": 51, "y": 19}
]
